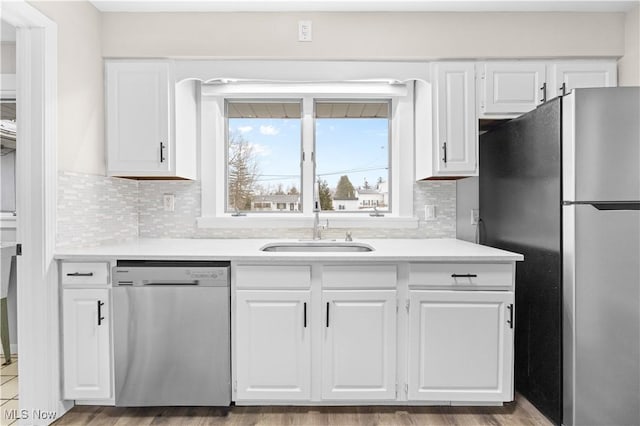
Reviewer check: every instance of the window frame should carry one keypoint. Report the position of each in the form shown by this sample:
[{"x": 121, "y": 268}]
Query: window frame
[{"x": 213, "y": 151}]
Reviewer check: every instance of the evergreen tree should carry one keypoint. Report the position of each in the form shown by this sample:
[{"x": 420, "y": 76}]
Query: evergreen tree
[
  {"x": 326, "y": 201},
  {"x": 345, "y": 189}
]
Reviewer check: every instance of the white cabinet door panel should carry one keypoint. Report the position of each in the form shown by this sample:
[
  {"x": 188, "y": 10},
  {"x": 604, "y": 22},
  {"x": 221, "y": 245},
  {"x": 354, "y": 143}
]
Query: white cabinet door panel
[
  {"x": 511, "y": 87},
  {"x": 86, "y": 348},
  {"x": 461, "y": 346},
  {"x": 138, "y": 111},
  {"x": 566, "y": 76},
  {"x": 359, "y": 345},
  {"x": 455, "y": 132},
  {"x": 273, "y": 342}
]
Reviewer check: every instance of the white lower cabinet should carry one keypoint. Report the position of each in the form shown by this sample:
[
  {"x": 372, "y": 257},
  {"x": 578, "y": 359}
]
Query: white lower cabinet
[
  {"x": 363, "y": 333},
  {"x": 86, "y": 343},
  {"x": 359, "y": 345},
  {"x": 273, "y": 341},
  {"x": 460, "y": 346}
]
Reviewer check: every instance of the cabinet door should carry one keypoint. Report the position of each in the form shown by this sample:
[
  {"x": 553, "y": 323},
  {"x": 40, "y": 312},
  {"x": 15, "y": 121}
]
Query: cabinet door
[
  {"x": 273, "y": 345},
  {"x": 359, "y": 345},
  {"x": 511, "y": 87},
  {"x": 456, "y": 127},
  {"x": 461, "y": 346},
  {"x": 86, "y": 349},
  {"x": 138, "y": 107},
  {"x": 566, "y": 76}
]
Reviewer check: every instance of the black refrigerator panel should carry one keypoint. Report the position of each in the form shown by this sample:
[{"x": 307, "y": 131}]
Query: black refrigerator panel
[{"x": 520, "y": 210}]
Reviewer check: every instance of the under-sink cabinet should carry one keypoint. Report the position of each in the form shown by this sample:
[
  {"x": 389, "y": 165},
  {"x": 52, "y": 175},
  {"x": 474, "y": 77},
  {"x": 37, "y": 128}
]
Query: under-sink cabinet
[
  {"x": 273, "y": 341},
  {"x": 359, "y": 345},
  {"x": 86, "y": 330},
  {"x": 281, "y": 309}
]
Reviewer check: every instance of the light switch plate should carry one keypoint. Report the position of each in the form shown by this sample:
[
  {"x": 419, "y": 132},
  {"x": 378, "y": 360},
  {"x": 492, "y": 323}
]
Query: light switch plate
[
  {"x": 429, "y": 212},
  {"x": 169, "y": 202},
  {"x": 475, "y": 213},
  {"x": 304, "y": 30}
]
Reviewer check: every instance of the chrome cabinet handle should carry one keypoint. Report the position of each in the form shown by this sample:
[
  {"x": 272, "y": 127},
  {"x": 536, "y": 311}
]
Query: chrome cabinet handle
[
  {"x": 510, "y": 321},
  {"x": 444, "y": 152},
  {"x": 544, "y": 93},
  {"x": 80, "y": 274},
  {"x": 464, "y": 275},
  {"x": 161, "y": 152},
  {"x": 563, "y": 89}
]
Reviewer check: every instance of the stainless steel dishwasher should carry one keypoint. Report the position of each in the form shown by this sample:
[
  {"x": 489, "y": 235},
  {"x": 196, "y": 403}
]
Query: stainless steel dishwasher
[{"x": 171, "y": 333}]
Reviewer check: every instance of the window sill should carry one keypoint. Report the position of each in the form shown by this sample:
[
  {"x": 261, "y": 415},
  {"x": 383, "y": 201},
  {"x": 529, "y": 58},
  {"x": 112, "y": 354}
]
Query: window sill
[{"x": 335, "y": 221}]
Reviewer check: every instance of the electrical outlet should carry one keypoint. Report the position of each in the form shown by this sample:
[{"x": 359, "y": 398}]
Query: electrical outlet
[
  {"x": 304, "y": 30},
  {"x": 475, "y": 216},
  {"x": 169, "y": 202},
  {"x": 429, "y": 212}
]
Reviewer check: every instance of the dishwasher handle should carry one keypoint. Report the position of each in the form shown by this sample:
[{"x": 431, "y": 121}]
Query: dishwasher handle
[{"x": 171, "y": 282}]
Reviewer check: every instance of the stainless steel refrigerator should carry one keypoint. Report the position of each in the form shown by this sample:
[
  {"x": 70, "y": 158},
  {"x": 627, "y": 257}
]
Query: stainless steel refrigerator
[{"x": 561, "y": 184}]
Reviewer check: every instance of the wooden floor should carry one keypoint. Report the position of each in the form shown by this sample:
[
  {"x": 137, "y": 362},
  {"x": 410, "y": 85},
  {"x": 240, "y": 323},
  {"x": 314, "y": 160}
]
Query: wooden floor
[{"x": 520, "y": 412}]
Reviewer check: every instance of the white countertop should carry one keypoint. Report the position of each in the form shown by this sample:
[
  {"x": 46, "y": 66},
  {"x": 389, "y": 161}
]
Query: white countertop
[{"x": 430, "y": 249}]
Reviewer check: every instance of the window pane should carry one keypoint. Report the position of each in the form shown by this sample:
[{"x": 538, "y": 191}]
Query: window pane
[
  {"x": 352, "y": 155},
  {"x": 263, "y": 156}
]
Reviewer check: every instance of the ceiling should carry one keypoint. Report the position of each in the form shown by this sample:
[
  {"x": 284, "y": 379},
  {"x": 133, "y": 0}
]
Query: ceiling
[{"x": 365, "y": 5}]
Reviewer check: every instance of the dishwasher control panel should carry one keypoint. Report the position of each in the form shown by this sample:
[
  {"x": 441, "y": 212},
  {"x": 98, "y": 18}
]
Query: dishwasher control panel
[{"x": 170, "y": 273}]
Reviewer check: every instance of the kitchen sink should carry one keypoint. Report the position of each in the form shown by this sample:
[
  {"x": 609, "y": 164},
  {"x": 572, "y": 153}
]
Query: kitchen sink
[{"x": 317, "y": 246}]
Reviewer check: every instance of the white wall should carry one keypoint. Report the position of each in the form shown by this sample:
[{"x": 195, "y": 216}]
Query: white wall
[
  {"x": 8, "y": 57},
  {"x": 629, "y": 65},
  {"x": 80, "y": 85},
  {"x": 380, "y": 36}
]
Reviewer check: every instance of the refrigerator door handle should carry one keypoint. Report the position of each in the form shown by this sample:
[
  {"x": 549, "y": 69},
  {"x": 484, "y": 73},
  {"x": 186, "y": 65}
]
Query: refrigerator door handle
[{"x": 606, "y": 205}]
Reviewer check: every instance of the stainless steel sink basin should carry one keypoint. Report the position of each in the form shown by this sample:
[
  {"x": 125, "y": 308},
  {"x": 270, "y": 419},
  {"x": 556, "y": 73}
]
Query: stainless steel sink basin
[{"x": 317, "y": 246}]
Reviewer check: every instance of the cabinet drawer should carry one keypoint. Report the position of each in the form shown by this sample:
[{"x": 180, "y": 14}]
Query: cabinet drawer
[
  {"x": 280, "y": 276},
  {"x": 496, "y": 276},
  {"x": 365, "y": 276},
  {"x": 84, "y": 273}
]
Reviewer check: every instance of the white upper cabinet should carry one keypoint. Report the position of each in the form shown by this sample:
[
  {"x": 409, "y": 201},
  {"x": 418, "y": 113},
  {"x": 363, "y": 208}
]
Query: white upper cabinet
[
  {"x": 150, "y": 121},
  {"x": 515, "y": 87},
  {"x": 563, "y": 77},
  {"x": 455, "y": 127},
  {"x": 507, "y": 89}
]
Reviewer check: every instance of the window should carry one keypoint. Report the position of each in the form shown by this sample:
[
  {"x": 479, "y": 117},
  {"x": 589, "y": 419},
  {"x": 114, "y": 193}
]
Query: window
[
  {"x": 274, "y": 146},
  {"x": 352, "y": 154},
  {"x": 264, "y": 147},
  {"x": 263, "y": 154}
]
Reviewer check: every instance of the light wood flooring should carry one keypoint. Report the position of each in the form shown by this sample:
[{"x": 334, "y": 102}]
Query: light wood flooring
[{"x": 520, "y": 412}]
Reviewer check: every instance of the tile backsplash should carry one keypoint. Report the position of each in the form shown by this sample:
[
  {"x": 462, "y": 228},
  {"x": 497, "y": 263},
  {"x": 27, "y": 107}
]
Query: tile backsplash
[{"x": 93, "y": 210}]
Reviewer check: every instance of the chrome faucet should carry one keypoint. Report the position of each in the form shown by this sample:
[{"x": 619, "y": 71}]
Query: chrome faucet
[{"x": 316, "y": 220}]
